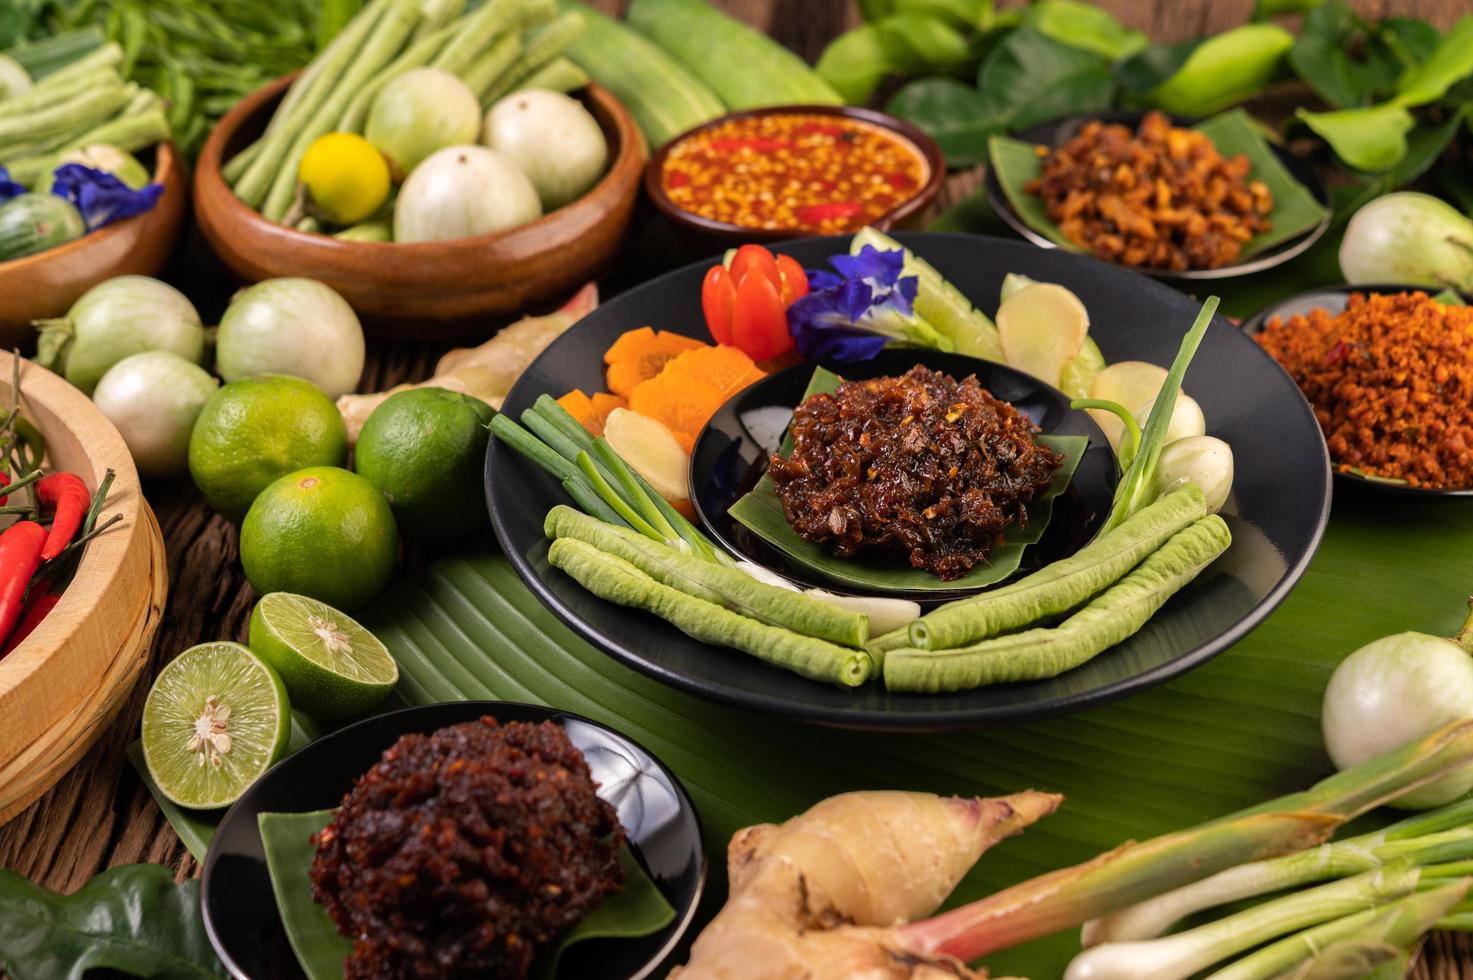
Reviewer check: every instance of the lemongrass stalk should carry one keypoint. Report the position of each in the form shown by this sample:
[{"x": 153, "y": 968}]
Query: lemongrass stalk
[
  {"x": 1184, "y": 954},
  {"x": 625, "y": 478},
  {"x": 1396, "y": 925},
  {"x": 1135, "y": 872},
  {"x": 524, "y": 442},
  {"x": 585, "y": 463}
]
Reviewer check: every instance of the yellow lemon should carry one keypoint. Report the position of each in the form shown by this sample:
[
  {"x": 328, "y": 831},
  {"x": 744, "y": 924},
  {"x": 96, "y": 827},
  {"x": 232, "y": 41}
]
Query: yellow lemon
[{"x": 346, "y": 178}]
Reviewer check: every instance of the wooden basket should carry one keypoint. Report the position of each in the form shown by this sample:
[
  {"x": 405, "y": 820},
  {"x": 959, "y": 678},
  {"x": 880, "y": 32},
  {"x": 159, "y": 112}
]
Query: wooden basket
[{"x": 62, "y": 684}]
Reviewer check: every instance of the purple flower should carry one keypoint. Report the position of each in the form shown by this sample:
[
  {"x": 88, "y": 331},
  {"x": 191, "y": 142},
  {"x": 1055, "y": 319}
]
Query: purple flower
[
  {"x": 8, "y": 187},
  {"x": 101, "y": 197},
  {"x": 851, "y": 314}
]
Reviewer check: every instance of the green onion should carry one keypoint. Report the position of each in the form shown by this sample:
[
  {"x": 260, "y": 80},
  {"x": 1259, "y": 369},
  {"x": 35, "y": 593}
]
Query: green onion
[
  {"x": 518, "y": 438},
  {"x": 585, "y": 463}
]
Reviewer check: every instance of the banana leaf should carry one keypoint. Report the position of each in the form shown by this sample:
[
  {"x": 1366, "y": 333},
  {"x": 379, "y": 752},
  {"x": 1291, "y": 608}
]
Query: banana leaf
[
  {"x": 1233, "y": 132},
  {"x": 1237, "y": 731},
  {"x": 761, "y": 512},
  {"x": 638, "y": 910}
]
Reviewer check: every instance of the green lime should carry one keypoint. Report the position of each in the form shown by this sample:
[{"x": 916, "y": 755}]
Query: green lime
[
  {"x": 332, "y": 667},
  {"x": 216, "y": 718},
  {"x": 254, "y": 430},
  {"x": 322, "y": 532},
  {"x": 425, "y": 449}
]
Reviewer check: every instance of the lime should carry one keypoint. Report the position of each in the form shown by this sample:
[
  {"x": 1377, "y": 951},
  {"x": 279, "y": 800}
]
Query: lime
[
  {"x": 425, "y": 450},
  {"x": 346, "y": 179},
  {"x": 254, "y": 430},
  {"x": 332, "y": 667},
  {"x": 216, "y": 718},
  {"x": 322, "y": 532}
]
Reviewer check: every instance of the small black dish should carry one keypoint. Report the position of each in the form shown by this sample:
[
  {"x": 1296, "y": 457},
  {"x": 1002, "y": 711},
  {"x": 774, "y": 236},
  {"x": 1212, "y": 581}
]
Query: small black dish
[
  {"x": 1059, "y": 131},
  {"x": 733, "y": 449},
  {"x": 661, "y": 822},
  {"x": 1332, "y": 299}
]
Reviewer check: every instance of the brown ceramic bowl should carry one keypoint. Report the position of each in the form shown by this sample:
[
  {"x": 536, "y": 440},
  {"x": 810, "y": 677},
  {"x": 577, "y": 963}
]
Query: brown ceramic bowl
[
  {"x": 722, "y": 235},
  {"x": 426, "y": 290},
  {"x": 48, "y": 283}
]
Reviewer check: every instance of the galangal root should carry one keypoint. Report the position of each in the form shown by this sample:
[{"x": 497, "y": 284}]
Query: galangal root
[{"x": 823, "y": 896}]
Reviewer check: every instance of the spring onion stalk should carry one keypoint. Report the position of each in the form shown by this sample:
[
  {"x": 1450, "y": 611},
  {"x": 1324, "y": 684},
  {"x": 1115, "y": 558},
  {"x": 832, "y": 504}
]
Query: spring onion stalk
[
  {"x": 1350, "y": 946},
  {"x": 524, "y": 442},
  {"x": 1131, "y": 440},
  {"x": 1179, "y": 956},
  {"x": 548, "y": 43},
  {"x": 1137, "y": 487},
  {"x": 1133, "y": 873},
  {"x": 590, "y": 502},
  {"x": 611, "y": 461},
  {"x": 631, "y": 517},
  {"x": 1442, "y": 835}
]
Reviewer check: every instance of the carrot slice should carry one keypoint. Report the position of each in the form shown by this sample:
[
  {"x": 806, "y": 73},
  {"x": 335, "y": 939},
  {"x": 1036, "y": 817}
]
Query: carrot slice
[
  {"x": 684, "y": 405},
  {"x": 728, "y": 369},
  {"x": 580, "y": 406},
  {"x": 604, "y": 403},
  {"x": 639, "y": 355}
]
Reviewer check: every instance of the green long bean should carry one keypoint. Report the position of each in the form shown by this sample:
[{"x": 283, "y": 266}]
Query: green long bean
[
  {"x": 417, "y": 55},
  {"x": 548, "y": 43},
  {"x": 727, "y": 587},
  {"x": 1047, "y": 652},
  {"x": 558, "y": 75},
  {"x": 495, "y": 62},
  {"x": 1063, "y": 585},
  {"x": 613, "y": 579}
]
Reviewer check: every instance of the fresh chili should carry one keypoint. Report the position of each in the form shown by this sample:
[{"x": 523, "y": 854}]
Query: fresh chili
[
  {"x": 20, "y": 557},
  {"x": 71, "y": 499},
  {"x": 793, "y": 170},
  {"x": 38, "y": 605}
]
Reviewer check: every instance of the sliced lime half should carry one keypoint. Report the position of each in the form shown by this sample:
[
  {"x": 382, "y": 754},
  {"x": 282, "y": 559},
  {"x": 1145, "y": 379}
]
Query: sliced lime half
[
  {"x": 332, "y": 666},
  {"x": 216, "y": 718}
]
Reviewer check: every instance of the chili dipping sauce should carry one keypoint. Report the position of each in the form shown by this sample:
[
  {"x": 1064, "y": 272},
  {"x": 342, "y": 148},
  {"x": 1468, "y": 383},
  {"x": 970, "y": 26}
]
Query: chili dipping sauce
[{"x": 810, "y": 172}]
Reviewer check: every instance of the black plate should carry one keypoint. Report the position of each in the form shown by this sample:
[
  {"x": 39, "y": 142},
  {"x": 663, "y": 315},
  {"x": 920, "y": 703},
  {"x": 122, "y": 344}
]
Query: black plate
[
  {"x": 663, "y": 829},
  {"x": 733, "y": 449},
  {"x": 1332, "y": 299},
  {"x": 1277, "y": 513},
  {"x": 1059, "y": 131}
]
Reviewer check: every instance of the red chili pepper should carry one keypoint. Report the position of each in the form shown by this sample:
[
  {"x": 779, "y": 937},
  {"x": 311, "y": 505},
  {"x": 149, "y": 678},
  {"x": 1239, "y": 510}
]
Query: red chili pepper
[
  {"x": 20, "y": 556},
  {"x": 40, "y": 602},
  {"x": 71, "y": 499},
  {"x": 746, "y": 305},
  {"x": 4, "y": 482},
  {"x": 816, "y": 213},
  {"x": 757, "y": 144}
]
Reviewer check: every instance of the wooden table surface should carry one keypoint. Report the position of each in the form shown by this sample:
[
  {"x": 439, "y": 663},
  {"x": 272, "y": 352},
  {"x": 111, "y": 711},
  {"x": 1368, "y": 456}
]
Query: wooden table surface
[{"x": 100, "y": 815}]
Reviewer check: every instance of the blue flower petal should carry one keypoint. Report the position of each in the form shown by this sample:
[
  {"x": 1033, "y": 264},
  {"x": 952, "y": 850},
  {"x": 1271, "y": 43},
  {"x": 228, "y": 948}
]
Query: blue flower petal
[
  {"x": 868, "y": 289},
  {"x": 101, "y": 197},
  {"x": 8, "y": 187},
  {"x": 844, "y": 345}
]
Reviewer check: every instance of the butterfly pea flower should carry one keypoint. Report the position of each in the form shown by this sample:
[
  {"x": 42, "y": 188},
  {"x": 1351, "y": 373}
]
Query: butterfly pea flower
[
  {"x": 8, "y": 187},
  {"x": 852, "y": 313},
  {"x": 101, "y": 197}
]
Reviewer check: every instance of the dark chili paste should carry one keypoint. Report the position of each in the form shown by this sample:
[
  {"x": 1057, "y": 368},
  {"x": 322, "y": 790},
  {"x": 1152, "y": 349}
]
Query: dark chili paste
[
  {"x": 920, "y": 467},
  {"x": 464, "y": 852},
  {"x": 791, "y": 170}
]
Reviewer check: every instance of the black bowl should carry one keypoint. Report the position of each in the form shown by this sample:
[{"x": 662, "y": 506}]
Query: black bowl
[
  {"x": 1277, "y": 513},
  {"x": 1059, "y": 131},
  {"x": 1332, "y": 299},
  {"x": 733, "y": 450},
  {"x": 660, "y": 820}
]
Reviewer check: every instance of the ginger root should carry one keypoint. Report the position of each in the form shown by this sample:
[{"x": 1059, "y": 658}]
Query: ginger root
[{"x": 821, "y": 895}]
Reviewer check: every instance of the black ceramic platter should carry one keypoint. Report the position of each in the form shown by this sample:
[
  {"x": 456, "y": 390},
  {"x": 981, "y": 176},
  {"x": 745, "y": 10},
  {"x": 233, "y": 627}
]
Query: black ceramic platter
[
  {"x": 1277, "y": 511},
  {"x": 661, "y": 823},
  {"x": 1332, "y": 299},
  {"x": 732, "y": 454},
  {"x": 1059, "y": 131}
]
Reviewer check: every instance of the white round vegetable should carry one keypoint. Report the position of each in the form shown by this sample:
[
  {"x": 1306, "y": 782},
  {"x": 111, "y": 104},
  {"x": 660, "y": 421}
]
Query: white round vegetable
[
  {"x": 460, "y": 192},
  {"x": 291, "y": 326},
  {"x": 153, "y": 398},
  {"x": 1392, "y": 691},
  {"x": 552, "y": 139},
  {"x": 1204, "y": 460},
  {"x": 419, "y": 113},
  {"x": 122, "y": 316},
  {"x": 1186, "y": 421},
  {"x": 1412, "y": 238}
]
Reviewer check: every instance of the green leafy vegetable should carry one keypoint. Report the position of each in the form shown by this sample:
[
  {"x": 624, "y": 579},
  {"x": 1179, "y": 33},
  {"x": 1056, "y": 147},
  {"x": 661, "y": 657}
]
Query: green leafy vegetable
[
  {"x": 1150, "y": 67},
  {"x": 1295, "y": 209},
  {"x": 952, "y": 112},
  {"x": 1373, "y": 139},
  {"x": 638, "y": 910},
  {"x": 1451, "y": 61},
  {"x": 1084, "y": 26},
  {"x": 132, "y": 918},
  {"x": 1224, "y": 69},
  {"x": 761, "y": 512},
  {"x": 1425, "y": 144}
]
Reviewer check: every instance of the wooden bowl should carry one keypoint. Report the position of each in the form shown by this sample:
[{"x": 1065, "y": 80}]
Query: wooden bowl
[
  {"x": 721, "y": 235},
  {"x": 60, "y": 668},
  {"x": 48, "y": 283},
  {"x": 426, "y": 290}
]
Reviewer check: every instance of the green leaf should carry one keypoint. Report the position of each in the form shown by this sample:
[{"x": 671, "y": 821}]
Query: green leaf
[
  {"x": 1425, "y": 145},
  {"x": 1372, "y": 139},
  {"x": 1295, "y": 210},
  {"x": 132, "y": 918},
  {"x": 1450, "y": 297},
  {"x": 1323, "y": 56},
  {"x": 1210, "y": 742},
  {"x": 925, "y": 43},
  {"x": 953, "y": 113},
  {"x": 1264, "y": 9},
  {"x": 761, "y": 512},
  {"x": 638, "y": 910},
  {"x": 1085, "y": 26},
  {"x": 1029, "y": 78},
  {"x": 1148, "y": 68},
  {"x": 1225, "y": 69},
  {"x": 1451, "y": 61},
  {"x": 856, "y": 62}
]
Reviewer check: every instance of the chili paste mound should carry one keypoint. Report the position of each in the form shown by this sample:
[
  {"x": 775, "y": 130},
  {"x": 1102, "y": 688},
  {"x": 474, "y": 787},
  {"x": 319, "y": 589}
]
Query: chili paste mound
[
  {"x": 464, "y": 852},
  {"x": 921, "y": 468}
]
